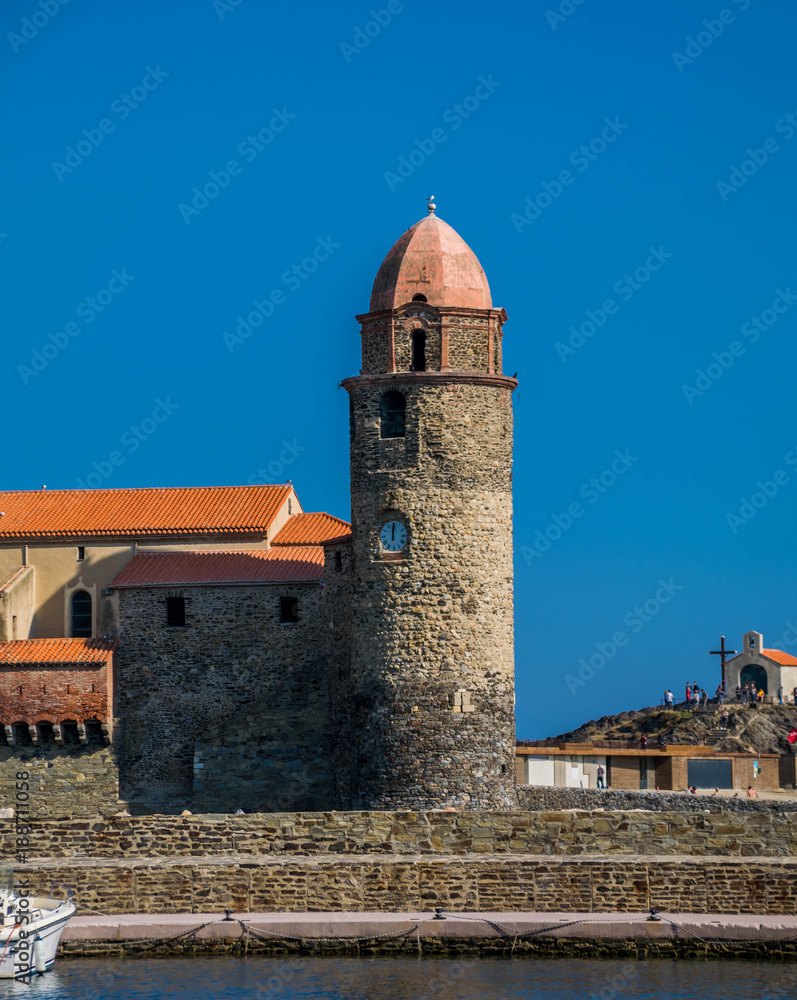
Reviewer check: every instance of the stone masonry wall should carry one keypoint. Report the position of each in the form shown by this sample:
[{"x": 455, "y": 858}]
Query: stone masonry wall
[
  {"x": 566, "y": 834},
  {"x": 540, "y": 798},
  {"x": 467, "y": 333},
  {"x": 430, "y": 695},
  {"x": 201, "y": 682},
  {"x": 414, "y": 883},
  {"x": 81, "y": 781}
]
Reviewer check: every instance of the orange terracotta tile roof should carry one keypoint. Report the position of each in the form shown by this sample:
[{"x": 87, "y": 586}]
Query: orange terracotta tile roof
[
  {"x": 780, "y": 657},
  {"x": 298, "y": 564},
  {"x": 181, "y": 510},
  {"x": 56, "y": 651},
  {"x": 311, "y": 529}
]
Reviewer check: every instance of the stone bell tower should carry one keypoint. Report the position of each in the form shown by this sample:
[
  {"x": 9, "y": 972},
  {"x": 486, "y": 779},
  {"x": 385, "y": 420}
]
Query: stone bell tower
[{"x": 429, "y": 717}]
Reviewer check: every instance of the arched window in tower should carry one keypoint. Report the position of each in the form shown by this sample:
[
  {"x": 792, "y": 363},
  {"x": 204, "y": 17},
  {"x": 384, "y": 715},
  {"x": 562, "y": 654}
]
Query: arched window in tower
[
  {"x": 392, "y": 413},
  {"x": 419, "y": 350},
  {"x": 419, "y": 298},
  {"x": 80, "y": 615}
]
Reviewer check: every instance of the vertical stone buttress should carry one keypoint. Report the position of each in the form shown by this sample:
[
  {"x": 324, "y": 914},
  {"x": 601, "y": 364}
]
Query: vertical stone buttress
[{"x": 430, "y": 692}]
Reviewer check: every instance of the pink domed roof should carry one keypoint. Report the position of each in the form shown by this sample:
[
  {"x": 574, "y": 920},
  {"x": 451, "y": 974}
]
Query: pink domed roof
[{"x": 433, "y": 260}]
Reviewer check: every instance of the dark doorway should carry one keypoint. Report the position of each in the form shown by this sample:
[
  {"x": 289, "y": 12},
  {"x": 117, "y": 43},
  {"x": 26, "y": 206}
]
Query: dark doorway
[
  {"x": 418, "y": 350},
  {"x": 757, "y": 675}
]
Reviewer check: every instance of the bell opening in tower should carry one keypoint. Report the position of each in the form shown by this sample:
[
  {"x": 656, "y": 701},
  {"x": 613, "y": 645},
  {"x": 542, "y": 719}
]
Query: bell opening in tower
[{"x": 419, "y": 350}]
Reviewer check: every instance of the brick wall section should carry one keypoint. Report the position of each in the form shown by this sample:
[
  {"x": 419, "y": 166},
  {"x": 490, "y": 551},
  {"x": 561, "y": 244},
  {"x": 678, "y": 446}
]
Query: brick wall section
[
  {"x": 438, "y": 620},
  {"x": 54, "y": 693},
  {"x": 743, "y": 833},
  {"x": 202, "y": 682},
  {"x": 419, "y": 883},
  {"x": 71, "y": 782}
]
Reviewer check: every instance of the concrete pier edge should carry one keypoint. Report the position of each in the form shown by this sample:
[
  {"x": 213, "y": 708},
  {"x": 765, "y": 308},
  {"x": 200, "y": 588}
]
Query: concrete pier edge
[{"x": 605, "y": 934}]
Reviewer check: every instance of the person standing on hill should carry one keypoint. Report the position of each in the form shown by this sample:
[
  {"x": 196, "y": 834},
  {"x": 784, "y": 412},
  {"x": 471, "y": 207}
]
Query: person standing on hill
[
  {"x": 688, "y": 695},
  {"x": 780, "y": 695}
]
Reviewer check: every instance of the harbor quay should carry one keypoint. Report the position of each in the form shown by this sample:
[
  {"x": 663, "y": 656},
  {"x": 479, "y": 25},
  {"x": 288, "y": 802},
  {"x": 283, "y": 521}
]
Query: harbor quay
[{"x": 571, "y": 881}]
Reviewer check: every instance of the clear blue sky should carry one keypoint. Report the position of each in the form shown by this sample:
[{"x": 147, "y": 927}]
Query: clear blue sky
[{"x": 334, "y": 117}]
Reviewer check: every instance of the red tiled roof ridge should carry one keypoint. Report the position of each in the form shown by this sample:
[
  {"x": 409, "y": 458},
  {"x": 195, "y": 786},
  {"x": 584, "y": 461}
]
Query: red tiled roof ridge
[
  {"x": 216, "y": 567},
  {"x": 60, "y": 650},
  {"x": 311, "y": 528},
  {"x": 144, "y": 489},
  {"x": 140, "y": 511},
  {"x": 779, "y": 655}
]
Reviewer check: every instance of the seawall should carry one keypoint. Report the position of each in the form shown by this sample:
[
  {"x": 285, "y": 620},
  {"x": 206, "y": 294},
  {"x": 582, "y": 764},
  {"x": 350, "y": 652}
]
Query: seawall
[{"x": 740, "y": 833}]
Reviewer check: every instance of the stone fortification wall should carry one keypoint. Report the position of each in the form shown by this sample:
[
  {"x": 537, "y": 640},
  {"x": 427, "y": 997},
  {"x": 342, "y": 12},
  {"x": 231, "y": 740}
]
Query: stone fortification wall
[
  {"x": 754, "y": 834},
  {"x": 419, "y": 883},
  {"x": 79, "y": 781},
  {"x": 536, "y": 798},
  {"x": 201, "y": 682}
]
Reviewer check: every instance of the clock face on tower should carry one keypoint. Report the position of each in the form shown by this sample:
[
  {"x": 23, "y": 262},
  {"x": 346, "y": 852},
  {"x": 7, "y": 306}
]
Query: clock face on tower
[{"x": 393, "y": 536}]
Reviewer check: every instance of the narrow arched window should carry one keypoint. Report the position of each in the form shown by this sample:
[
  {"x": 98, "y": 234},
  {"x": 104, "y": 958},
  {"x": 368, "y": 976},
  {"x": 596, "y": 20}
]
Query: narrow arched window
[
  {"x": 419, "y": 350},
  {"x": 392, "y": 411},
  {"x": 80, "y": 623}
]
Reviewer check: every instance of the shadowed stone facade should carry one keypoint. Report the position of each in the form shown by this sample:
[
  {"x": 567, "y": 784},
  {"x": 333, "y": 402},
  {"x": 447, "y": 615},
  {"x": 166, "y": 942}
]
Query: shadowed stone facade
[{"x": 246, "y": 690}]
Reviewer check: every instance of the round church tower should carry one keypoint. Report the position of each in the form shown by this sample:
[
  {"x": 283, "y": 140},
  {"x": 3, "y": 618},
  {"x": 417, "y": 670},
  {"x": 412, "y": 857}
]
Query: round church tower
[{"x": 430, "y": 686}]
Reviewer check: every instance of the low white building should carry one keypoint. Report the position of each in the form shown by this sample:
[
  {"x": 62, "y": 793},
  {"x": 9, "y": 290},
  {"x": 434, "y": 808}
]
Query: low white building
[
  {"x": 572, "y": 771},
  {"x": 768, "y": 669}
]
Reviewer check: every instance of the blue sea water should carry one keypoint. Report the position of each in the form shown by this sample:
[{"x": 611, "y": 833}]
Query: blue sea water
[{"x": 408, "y": 979}]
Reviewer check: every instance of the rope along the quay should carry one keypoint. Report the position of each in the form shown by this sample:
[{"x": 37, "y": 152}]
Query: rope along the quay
[{"x": 368, "y": 937}]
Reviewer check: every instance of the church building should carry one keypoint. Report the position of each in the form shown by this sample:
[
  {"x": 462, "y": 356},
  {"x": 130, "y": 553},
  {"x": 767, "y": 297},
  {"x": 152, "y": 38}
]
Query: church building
[
  {"x": 768, "y": 669},
  {"x": 235, "y": 651}
]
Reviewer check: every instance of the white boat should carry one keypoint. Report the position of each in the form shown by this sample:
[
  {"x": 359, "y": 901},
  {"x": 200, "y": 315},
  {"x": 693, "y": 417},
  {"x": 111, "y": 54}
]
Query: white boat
[{"x": 30, "y": 928}]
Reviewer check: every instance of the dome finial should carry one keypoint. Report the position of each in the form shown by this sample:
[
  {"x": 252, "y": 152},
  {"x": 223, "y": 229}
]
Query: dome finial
[{"x": 432, "y": 205}]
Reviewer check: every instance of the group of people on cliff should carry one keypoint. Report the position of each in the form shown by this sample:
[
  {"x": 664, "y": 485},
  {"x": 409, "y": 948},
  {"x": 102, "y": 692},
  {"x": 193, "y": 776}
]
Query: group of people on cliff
[{"x": 746, "y": 694}]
